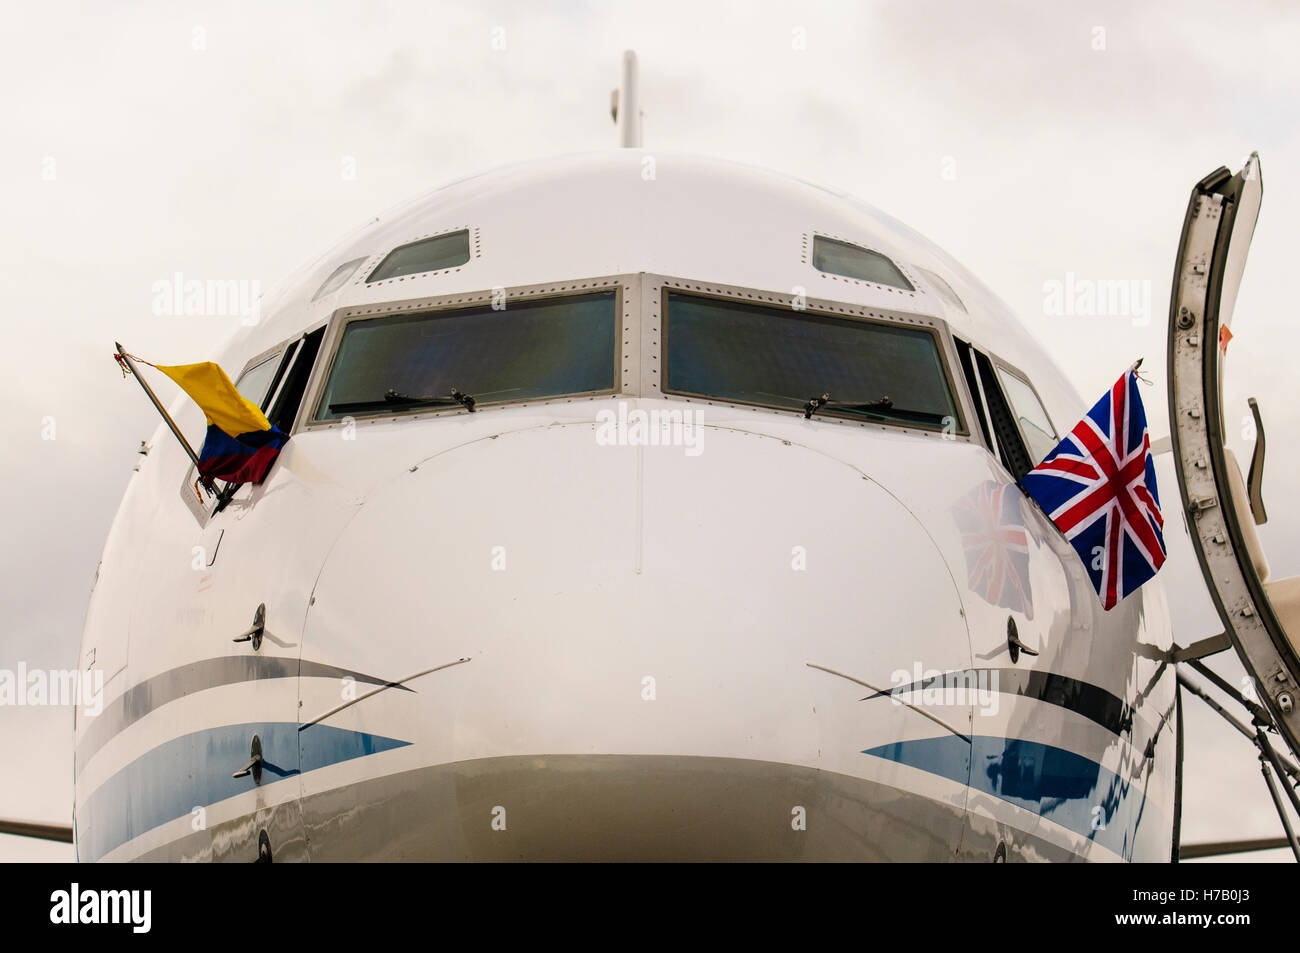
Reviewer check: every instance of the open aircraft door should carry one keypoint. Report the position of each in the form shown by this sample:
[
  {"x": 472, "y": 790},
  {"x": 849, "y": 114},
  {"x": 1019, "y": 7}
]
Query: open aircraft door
[{"x": 1261, "y": 615}]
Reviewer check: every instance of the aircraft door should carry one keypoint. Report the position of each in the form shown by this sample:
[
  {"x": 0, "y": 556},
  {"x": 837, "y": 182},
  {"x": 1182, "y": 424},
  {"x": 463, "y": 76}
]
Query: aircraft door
[{"x": 1261, "y": 615}]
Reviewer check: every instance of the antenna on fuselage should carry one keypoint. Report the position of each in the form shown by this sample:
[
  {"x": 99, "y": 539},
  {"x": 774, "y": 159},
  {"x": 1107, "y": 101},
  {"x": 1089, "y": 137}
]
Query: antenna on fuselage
[{"x": 625, "y": 105}]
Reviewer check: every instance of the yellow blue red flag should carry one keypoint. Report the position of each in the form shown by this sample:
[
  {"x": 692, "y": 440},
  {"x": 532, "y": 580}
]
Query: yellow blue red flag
[{"x": 240, "y": 444}]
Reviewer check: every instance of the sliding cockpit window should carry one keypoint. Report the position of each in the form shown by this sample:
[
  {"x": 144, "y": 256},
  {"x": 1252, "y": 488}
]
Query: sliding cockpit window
[
  {"x": 794, "y": 360},
  {"x": 1035, "y": 426},
  {"x": 470, "y": 357},
  {"x": 254, "y": 383}
]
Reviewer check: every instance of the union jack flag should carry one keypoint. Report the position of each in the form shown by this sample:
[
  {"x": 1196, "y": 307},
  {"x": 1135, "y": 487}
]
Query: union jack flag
[
  {"x": 1099, "y": 488},
  {"x": 996, "y": 546}
]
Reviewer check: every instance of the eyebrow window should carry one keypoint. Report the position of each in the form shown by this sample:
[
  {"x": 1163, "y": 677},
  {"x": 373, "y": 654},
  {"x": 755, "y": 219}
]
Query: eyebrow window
[
  {"x": 544, "y": 348},
  {"x": 852, "y": 261},
  {"x": 337, "y": 278},
  {"x": 942, "y": 289},
  {"x": 750, "y": 354},
  {"x": 428, "y": 254}
]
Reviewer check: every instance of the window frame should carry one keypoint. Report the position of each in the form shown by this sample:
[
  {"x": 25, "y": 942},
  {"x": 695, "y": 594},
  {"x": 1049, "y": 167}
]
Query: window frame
[
  {"x": 625, "y": 293},
  {"x": 655, "y": 304},
  {"x": 976, "y": 396}
]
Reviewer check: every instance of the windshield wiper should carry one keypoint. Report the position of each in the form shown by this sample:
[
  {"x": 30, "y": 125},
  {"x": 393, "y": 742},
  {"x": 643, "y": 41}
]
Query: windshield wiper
[
  {"x": 883, "y": 408},
  {"x": 392, "y": 398},
  {"x": 817, "y": 403}
]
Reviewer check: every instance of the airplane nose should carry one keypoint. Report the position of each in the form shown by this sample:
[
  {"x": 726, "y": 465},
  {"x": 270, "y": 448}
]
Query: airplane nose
[{"x": 667, "y": 633}]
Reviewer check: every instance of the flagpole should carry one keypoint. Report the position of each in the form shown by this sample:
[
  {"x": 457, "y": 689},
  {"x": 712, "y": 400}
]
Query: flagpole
[{"x": 126, "y": 359}]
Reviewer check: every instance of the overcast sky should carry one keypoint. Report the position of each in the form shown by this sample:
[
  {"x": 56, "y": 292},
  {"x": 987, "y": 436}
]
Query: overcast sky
[{"x": 1030, "y": 140}]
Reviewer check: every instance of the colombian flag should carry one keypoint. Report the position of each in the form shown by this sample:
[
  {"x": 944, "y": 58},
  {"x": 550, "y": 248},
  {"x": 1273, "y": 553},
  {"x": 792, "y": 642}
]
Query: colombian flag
[{"x": 241, "y": 444}]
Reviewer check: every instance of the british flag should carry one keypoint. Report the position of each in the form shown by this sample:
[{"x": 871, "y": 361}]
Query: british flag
[
  {"x": 1099, "y": 488},
  {"x": 996, "y": 546}
]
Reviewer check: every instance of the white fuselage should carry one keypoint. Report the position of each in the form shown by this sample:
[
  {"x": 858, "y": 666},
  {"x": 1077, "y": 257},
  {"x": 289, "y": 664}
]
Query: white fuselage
[{"x": 612, "y": 648}]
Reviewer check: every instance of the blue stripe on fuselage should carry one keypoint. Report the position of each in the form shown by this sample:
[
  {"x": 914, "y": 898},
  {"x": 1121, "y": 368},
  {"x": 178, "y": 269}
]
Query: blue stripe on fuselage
[
  {"x": 195, "y": 770},
  {"x": 1059, "y": 785}
]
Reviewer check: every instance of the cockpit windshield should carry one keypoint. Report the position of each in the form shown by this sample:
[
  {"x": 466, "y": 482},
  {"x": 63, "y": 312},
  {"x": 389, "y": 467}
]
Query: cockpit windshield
[
  {"x": 528, "y": 350},
  {"x": 795, "y": 360}
]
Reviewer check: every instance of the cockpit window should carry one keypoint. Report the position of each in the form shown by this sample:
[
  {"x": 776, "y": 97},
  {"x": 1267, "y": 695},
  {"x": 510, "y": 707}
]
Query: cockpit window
[
  {"x": 750, "y": 354},
  {"x": 852, "y": 261},
  {"x": 430, "y": 361},
  {"x": 429, "y": 254},
  {"x": 1040, "y": 436}
]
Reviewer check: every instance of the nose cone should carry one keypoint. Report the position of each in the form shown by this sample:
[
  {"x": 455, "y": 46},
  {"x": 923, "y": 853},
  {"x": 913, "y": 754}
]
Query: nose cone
[{"x": 635, "y": 602}]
